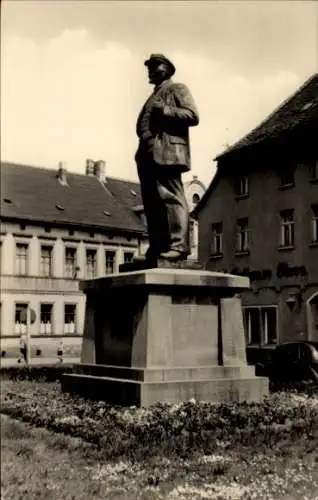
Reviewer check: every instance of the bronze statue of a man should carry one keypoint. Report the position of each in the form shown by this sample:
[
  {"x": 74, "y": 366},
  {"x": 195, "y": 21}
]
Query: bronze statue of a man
[{"x": 162, "y": 156}]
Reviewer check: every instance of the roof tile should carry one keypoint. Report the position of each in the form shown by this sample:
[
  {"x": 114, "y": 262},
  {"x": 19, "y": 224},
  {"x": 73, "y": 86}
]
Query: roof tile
[
  {"x": 300, "y": 109},
  {"x": 34, "y": 193}
]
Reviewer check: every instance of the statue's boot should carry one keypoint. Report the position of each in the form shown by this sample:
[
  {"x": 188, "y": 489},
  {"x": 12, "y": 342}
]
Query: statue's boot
[
  {"x": 173, "y": 255},
  {"x": 149, "y": 256},
  {"x": 140, "y": 258}
]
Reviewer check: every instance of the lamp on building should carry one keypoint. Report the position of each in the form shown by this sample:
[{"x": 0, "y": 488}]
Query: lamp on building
[{"x": 294, "y": 300}]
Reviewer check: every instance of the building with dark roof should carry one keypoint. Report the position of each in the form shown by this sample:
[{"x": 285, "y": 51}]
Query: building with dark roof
[
  {"x": 259, "y": 217},
  {"x": 58, "y": 227}
]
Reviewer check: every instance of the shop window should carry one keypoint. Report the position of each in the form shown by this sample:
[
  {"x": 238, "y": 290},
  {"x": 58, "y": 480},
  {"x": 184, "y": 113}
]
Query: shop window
[{"x": 260, "y": 324}]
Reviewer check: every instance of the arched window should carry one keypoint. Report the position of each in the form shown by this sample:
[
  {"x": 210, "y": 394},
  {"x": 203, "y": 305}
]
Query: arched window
[{"x": 195, "y": 198}]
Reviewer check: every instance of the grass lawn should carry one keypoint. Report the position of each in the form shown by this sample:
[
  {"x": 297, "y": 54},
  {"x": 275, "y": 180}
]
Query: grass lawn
[{"x": 38, "y": 463}]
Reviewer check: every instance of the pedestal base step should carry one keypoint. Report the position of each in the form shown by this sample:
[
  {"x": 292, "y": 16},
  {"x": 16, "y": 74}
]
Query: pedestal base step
[
  {"x": 127, "y": 392},
  {"x": 160, "y": 264},
  {"x": 165, "y": 374}
]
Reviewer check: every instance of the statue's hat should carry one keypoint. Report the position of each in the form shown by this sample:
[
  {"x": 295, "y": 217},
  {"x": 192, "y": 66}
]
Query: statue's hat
[{"x": 159, "y": 58}]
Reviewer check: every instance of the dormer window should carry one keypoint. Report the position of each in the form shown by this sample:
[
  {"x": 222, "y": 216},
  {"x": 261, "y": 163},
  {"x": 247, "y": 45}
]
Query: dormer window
[{"x": 287, "y": 178}]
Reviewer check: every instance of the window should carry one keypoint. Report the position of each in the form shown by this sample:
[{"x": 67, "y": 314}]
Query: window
[
  {"x": 69, "y": 318},
  {"x": 314, "y": 221},
  {"x": 192, "y": 236},
  {"x": 260, "y": 325},
  {"x": 110, "y": 258},
  {"x": 242, "y": 235},
  {"x": 21, "y": 258},
  {"x": 195, "y": 198},
  {"x": 314, "y": 170},
  {"x": 128, "y": 257},
  {"x": 70, "y": 262},
  {"x": 287, "y": 177},
  {"x": 46, "y": 316},
  {"x": 46, "y": 260},
  {"x": 287, "y": 225},
  {"x": 217, "y": 236},
  {"x": 242, "y": 185},
  {"x": 91, "y": 267},
  {"x": 20, "y": 320}
]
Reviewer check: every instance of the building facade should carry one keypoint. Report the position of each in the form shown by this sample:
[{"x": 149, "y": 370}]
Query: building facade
[
  {"x": 57, "y": 228},
  {"x": 259, "y": 218}
]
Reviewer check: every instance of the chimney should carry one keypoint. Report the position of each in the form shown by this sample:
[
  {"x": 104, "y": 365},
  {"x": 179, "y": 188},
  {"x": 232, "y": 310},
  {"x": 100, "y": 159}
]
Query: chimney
[
  {"x": 61, "y": 173},
  {"x": 90, "y": 167},
  {"x": 99, "y": 170}
]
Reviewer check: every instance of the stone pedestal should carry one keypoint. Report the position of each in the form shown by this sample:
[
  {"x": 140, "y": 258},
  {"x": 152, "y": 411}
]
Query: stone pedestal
[{"x": 164, "y": 334}]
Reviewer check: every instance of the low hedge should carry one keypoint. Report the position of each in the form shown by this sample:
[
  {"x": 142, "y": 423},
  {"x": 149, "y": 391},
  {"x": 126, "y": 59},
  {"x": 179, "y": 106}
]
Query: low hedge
[
  {"x": 45, "y": 373},
  {"x": 52, "y": 373}
]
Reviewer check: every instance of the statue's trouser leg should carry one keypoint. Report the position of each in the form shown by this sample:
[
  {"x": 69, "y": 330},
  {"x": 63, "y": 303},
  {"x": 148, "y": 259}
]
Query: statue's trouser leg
[
  {"x": 171, "y": 192},
  {"x": 154, "y": 207}
]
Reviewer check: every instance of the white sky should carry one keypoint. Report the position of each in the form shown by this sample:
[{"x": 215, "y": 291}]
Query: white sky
[{"x": 73, "y": 78}]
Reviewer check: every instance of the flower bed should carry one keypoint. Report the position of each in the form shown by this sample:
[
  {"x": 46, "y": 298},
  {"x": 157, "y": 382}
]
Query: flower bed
[{"x": 179, "y": 430}]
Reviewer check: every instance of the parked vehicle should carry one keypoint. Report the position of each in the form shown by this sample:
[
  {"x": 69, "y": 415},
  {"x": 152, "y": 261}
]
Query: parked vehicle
[{"x": 292, "y": 361}]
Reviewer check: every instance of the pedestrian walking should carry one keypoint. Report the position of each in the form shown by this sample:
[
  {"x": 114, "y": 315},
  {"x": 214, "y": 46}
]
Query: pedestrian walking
[
  {"x": 60, "y": 351},
  {"x": 23, "y": 351}
]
